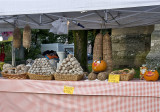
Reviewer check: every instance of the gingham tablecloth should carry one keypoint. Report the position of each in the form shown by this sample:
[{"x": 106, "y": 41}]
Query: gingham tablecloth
[{"x": 88, "y": 96}]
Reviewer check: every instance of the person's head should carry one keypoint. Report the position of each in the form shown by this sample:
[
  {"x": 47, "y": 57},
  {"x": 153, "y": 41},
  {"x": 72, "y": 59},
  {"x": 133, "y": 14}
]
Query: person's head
[{"x": 45, "y": 52}]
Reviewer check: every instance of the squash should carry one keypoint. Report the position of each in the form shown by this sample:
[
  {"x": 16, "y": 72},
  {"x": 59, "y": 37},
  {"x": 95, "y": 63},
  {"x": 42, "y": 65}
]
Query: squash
[
  {"x": 99, "y": 65},
  {"x": 151, "y": 75}
]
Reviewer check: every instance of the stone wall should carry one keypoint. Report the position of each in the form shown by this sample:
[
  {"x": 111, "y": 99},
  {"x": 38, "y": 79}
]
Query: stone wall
[
  {"x": 130, "y": 46},
  {"x": 153, "y": 57}
]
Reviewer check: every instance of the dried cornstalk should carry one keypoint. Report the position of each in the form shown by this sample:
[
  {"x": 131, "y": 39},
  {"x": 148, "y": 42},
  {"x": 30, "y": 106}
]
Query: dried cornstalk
[
  {"x": 98, "y": 50},
  {"x": 16, "y": 38},
  {"x": 27, "y": 36},
  {"x": 107, "y": 52}
]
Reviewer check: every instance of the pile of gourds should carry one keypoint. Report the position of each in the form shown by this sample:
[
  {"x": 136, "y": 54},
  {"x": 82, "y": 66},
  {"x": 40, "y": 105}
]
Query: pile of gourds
[
  {"x": 20, "y": 69},
  {"x": 42, "y": 66},
  {"x": 70, "y": 66}
]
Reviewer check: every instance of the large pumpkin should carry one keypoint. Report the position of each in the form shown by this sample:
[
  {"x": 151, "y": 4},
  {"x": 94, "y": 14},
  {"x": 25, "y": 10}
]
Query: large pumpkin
[
  {"x": 99, "y": 65},
  {"x": 151, "y": 75}
]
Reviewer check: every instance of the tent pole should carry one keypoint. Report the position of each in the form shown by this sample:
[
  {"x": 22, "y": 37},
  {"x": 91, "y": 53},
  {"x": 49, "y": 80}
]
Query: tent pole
[{"x": 13, "y": 55}]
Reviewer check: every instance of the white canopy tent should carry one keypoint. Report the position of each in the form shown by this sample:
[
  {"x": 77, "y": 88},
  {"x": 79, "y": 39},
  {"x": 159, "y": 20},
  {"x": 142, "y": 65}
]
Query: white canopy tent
[{"x": 92, "y": 14}]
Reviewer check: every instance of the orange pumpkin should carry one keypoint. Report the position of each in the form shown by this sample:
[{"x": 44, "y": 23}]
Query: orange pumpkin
[
  {"x": 99, "y": 65},
  {"x": 151, "y": 75}
]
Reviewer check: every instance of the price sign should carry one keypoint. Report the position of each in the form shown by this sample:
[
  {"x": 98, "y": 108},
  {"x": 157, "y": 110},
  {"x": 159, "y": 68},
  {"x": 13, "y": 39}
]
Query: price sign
[
  {"x": 68, "y": 89},
  {"x": 114, "y": 78}
]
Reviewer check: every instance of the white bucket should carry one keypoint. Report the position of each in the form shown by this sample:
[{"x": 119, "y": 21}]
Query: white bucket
[
  {"x": 61, "y": 57},
  {"x": 53, "y": 62}
]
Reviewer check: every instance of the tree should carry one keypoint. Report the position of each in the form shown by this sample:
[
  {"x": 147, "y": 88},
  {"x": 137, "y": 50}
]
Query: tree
[{"x": 80, "y": 47}]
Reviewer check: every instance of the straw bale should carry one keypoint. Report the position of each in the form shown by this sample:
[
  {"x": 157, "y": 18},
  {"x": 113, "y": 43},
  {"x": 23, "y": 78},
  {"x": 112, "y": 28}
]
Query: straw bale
[
  {"x": 27, "y": 36},
  {"x": 107, "y": 51},
  {"x": 16, "y": 38},
  {"x": 98, "y": 47}
]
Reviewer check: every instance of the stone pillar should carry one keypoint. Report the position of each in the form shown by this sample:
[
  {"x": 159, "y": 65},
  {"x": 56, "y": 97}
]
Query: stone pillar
[
  {"x": 130, "y": 46},
  {"x": 153, "y": 57}
]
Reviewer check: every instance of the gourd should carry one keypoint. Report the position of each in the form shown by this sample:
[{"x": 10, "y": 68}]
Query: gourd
[
  {"x": 151, "y": 75},
  {"x": 99, "y": 65}
]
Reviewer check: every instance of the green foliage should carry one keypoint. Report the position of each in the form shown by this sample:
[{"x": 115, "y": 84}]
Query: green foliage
[
  {"x": 45, "y": 37},
  {"x": 32, "y": 52},
  {"x": 40, "y": 36},
  {"x": 7, "y": 50}
]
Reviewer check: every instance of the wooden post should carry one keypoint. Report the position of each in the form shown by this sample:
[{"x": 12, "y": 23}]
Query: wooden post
[{"x": 13, "y": 55}]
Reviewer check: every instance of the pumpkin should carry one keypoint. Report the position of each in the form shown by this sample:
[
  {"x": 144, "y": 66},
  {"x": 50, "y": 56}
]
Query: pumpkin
[
  {"x": 99, "y": 65},
  {"x": 151, "y": 75}
]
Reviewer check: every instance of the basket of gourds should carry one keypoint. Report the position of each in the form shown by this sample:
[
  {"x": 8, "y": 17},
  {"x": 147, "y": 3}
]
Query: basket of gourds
[
  {"x": 125, "y": 74},
  {"x": 19, "y": 72},
  {"x": 69, "y": 70}
]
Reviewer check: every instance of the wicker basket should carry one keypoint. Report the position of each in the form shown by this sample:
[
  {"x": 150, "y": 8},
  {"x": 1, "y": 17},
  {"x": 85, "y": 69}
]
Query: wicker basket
[
  {"x": 14, "y": 76},
  {"x": 40, "y": 77},
  {"x": 125, "y": 74},
  {"x": 68, "y": 77}
]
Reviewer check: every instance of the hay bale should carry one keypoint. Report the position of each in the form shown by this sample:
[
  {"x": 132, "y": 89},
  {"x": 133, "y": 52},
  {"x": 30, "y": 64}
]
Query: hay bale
[
  {"x": 92, "y": 76},
  {"x": 16, "y": 38},
  {"x": 102, "y": 76},
  {"x": 98, "y": 47},
  {"x": 107, "y": 52},
  {"x": 27, "y": 37}
]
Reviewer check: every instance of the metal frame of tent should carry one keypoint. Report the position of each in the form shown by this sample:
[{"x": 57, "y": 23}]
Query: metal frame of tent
[{"x": 116, "y": 18}]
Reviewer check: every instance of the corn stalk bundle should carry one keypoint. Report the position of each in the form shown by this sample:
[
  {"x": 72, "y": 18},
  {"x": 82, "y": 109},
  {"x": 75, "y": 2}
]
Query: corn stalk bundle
[
  {"x": 107, "y": 52},
  {"x": 27, "y": 37},
  {"x": 98, "y": 47},
  {"x": 16, "y": 38}
]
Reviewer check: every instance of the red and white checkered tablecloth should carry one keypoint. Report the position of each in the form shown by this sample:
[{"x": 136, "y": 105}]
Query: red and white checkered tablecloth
[{"x": 88, "y": 96}]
